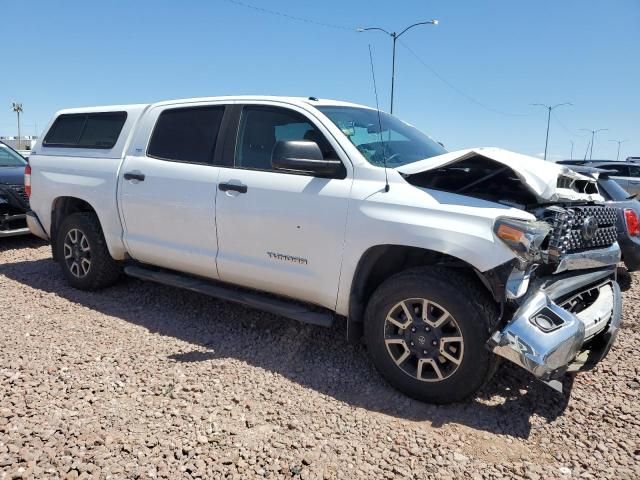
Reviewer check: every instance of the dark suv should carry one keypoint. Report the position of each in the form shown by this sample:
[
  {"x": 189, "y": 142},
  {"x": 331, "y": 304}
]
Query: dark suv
[{"x": 13, "y": 199}]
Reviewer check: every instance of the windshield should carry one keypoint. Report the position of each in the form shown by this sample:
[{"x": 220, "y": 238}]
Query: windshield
[
  {"x": 399, "y": 142},
  {"x": 9, "y": 158}
]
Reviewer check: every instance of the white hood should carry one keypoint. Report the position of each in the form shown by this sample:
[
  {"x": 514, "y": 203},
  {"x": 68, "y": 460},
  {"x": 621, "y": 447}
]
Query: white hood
[{"x": 539, "y": 176}]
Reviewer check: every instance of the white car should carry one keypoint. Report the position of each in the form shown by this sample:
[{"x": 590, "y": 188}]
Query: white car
[{"x": 321, "y": 210}]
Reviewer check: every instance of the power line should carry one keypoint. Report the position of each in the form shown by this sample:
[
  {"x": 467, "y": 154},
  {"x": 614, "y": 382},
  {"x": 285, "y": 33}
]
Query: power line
[
  {"x": 571, "y": 132},
  {"x": 352, "y": 29},
  {"x": 459, "y": 91},
  {"x": 290, "y": 17}
]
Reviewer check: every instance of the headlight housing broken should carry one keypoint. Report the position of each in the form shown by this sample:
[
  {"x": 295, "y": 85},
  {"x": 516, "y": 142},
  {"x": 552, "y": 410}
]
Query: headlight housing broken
[{"x": 523, "y": 237}]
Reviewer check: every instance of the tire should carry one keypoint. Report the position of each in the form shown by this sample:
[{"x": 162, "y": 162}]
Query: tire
[
  {"x": 447, "y": 353},
  {"x": 94, "y": 267}
]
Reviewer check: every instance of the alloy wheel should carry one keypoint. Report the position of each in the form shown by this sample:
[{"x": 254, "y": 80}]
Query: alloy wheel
[
  {"x": 77, "y": 253},
  {"x": 423, "y": 339}
]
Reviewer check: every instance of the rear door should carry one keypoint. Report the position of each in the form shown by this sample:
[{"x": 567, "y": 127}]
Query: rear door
[
  {"x": 168, "y": 189},
  {"x": 634, "y": 179},
  {"x": 279, "y": 231}
]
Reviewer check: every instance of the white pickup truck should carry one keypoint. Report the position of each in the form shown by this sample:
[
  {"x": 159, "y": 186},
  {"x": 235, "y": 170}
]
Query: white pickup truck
[{"x": 318, "y": 210}]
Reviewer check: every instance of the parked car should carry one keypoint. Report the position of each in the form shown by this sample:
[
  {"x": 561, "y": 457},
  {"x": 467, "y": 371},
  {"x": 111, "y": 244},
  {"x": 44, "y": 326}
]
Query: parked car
[
  {"x": 626, "y": 174},
  {"x": 441, "y": 261},
  {"x": 14, "y": 203},
  {"x": 628, "y": 208}
]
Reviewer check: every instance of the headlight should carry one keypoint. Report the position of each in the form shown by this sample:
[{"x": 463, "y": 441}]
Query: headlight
[{"x": 523, "y": 237}]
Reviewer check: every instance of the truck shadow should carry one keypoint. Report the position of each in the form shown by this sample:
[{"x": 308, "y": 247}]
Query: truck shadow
[
  {"x": 20, "y": 242},
  {"x": 314, "y": 357}
]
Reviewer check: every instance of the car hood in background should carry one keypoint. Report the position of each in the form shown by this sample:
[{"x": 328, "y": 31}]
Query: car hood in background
[{"x": 548, "y": 181}]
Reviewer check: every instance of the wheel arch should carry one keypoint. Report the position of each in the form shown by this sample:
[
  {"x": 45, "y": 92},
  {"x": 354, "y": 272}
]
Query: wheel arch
[
  {"x": 62, "y": 207},
  {"x": 382, "y": 261}
]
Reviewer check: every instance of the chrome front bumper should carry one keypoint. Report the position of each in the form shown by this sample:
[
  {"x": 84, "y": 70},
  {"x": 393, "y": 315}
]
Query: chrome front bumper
[{"x": 548, "y": 340}]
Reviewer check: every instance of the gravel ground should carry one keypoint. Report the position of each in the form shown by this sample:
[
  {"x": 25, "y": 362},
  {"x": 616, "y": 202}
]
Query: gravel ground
[{"x": 146, "y": 381}]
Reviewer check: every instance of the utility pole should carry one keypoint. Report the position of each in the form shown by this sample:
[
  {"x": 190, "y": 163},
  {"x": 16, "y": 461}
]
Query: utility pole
[
  {"x": 549, "y": 109},
  {"x": 17, "y": 107},
  {"x": 395, "y": 36},
  {"x": 571, "y": 157},
  {"x": 619, "y": 142},
  {"x": 593, "y": 137}
]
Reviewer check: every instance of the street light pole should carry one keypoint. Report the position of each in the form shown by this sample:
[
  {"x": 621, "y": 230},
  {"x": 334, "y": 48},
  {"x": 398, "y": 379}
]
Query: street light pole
[
  {"x": 593, "y": 137},
  {"x": 619, "y": 142},
  {"x": 549, "y": 108},
  {"x": 17, "y": 107},
  {"x": 395, "y": 36},
  {"x": 571, "y": 157}
]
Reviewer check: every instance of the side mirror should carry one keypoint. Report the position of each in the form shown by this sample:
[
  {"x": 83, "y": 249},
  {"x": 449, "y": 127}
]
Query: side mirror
[{"x": 304, "y": 156}]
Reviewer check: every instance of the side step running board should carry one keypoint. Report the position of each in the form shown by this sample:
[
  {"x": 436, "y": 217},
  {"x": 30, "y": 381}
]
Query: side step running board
[{"x": 260, "y": 301}]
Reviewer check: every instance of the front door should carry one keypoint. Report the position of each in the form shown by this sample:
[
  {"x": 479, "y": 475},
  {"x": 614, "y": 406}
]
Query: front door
[
  {"x": 281, "y": 232},
  {"x": 168, "y": 191}
]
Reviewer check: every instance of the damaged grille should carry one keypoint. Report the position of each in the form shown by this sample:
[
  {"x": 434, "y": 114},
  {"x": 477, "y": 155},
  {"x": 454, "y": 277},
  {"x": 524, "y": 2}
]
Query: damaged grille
[{"x": 577, "y": 229}]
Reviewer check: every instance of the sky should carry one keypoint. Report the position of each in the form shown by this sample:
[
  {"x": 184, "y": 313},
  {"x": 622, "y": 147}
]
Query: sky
[{"x": 468, "y": 81}]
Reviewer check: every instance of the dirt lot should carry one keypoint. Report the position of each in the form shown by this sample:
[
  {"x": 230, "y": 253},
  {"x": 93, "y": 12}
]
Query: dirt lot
[{"x": 147, "y": 381}]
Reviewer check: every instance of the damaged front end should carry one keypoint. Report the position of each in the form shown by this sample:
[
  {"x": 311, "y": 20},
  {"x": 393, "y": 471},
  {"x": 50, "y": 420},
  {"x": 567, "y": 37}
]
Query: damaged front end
[
  {"x": 14, "y": 205},
  {"x": 561, "y": 301}
]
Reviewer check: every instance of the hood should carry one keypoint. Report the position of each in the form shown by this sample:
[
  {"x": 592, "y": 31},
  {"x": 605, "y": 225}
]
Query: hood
[{"x": 548, "y": 182}]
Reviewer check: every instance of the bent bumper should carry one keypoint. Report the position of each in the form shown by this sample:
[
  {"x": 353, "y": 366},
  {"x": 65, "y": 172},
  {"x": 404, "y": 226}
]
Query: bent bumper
[
  {"x": 548, "y": 340},
  {"x": 35, "y": 226}
]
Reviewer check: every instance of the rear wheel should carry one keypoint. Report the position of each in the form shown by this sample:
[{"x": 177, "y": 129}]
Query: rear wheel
[
  {"x": 82, "y": 253},
  {"x": 426, "y": 331}
]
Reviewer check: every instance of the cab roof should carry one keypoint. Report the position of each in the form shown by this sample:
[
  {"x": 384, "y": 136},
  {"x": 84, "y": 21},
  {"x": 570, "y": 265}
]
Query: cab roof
[{"x": 138, "y": 108}]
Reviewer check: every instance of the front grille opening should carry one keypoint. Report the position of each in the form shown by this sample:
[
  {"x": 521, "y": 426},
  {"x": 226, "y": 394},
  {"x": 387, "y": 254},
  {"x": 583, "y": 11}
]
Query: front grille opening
[{"x": 577, "y": 302}]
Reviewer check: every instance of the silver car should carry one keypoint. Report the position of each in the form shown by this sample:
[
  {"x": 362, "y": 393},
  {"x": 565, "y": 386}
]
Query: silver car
[{"x": 627, "y": 174}]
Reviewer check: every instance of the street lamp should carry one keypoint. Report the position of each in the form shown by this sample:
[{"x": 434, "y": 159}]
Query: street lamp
[
  {"x": 395, "y": 36},
  {"x": 593, "y": 137},
  {"x": 17, "y": 107},
  {"x": 571, "y": 157},
  {"x": 619, "y": 142},
  {"x": 549, "y": 108}
]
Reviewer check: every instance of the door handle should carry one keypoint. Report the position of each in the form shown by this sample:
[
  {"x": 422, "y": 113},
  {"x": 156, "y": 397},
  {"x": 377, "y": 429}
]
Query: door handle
[
  {"x": 634, "y": 182},
  {"x": 134, "y": 176},
  {"x": 225, "y": 187}
]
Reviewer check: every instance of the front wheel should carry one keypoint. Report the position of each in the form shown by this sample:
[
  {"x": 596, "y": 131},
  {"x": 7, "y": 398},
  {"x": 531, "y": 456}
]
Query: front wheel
[
  {"x": 426, "y": 331},
  {"x": 83, "y": 255}
]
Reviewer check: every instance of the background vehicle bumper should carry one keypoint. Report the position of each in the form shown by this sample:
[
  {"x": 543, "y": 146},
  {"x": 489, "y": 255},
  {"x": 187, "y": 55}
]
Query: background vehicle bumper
[
  {"x": 548, "y": 340},
  {"x": 14, "y": 232},
  {"x": 35, "y": 226},
  {"x": 630, "y": 252}
]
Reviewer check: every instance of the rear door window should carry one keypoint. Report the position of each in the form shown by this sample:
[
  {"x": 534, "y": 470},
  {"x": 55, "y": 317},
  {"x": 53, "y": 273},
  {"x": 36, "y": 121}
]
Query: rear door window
[
  {"x": 634, "y": 171},
  {"x": 86, "y": 130},
  {"x": 186, "y": 134},
  {"x": 616, "y": 170}
]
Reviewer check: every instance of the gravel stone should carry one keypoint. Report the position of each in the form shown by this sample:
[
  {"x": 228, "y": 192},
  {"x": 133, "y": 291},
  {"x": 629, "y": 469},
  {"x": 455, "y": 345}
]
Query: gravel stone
[{"x": 146, "y": 381}]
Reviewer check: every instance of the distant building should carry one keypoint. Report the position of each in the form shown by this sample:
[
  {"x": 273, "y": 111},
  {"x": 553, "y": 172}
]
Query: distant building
[{"x": 26, "y": 141}]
